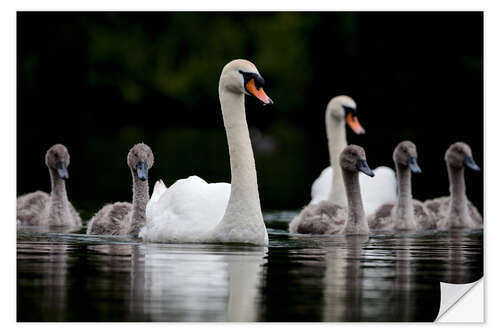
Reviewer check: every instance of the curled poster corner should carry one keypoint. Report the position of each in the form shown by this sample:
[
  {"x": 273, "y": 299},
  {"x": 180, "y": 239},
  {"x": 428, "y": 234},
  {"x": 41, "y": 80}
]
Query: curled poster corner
[{"x": 461, "y": 304}]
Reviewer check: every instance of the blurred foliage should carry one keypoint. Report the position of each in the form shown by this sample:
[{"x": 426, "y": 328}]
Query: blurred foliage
[
  {"x": 164, "y": 55},
  {"x": 100, "y": 82}
]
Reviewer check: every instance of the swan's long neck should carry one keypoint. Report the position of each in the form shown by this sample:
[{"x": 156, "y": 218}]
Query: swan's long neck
[
  {"x": 404, "y": 207},
  {"x": 242, "y": 219},
  {"x": 243, "y": 174},
  {"x": 356, "y": 221},
  {"x": 335, "y": 130},
  {"x": 458, "y": 215},
  {"x": 139, "y": 201},
  {"x": 59, "y": 213}
]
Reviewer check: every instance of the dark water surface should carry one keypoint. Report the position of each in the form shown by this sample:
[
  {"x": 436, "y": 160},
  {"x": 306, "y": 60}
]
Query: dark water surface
[{"x": 69, "y": 276}]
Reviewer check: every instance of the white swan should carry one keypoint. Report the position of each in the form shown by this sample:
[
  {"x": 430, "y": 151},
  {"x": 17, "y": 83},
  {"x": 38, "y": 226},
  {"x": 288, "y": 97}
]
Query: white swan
[
  {"x": 194, "y": 211},
  {"x": 329, "y": 185}
]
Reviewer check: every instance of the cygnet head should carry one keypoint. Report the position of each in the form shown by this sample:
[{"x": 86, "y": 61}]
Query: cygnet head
[
  {"x": 57, "y": 158},
  {"x": 459, "y": 155},
  {"x": 353, "y": 159},
  {"x": 405, "y": 154},
  {"x": 344, "y": 108},
  {"x": 140, "y": 159},
  {"x": 242, "y": 77}
]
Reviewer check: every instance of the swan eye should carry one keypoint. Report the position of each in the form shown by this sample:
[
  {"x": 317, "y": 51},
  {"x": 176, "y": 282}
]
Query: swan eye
[
  {"x": 258, "y": 80},
  {"x": 348, "y": 109}
]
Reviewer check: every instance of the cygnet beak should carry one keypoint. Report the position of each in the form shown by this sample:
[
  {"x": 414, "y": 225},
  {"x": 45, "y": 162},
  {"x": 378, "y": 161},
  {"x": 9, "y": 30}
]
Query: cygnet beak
[
  {"x": 412, "y": 163},
  {"x": 62, "y": 171},
  {"x": 142, "y": 170},
  {"x": 469, "y": 162},
  {"x": 364, "y": 168}
]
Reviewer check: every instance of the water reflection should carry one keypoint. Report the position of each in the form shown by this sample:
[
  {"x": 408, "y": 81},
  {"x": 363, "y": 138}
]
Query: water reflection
[
  {"x": 357, "y": 292},
  {"x": 343, "y": 278},
  {"x": 43, "y": 279},
  {"x": 385, "y": 277},
  {"x": 456, "y": 245},
  {"x": 245, "y": 279},
  {"x": 403, "y": 283},
  {"x": 201, "y": 283}
]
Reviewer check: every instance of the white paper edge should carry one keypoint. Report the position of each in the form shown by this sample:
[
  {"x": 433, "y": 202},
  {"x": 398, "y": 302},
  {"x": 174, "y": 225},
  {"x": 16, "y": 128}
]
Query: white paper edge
[{"x": 461, "y": 303}]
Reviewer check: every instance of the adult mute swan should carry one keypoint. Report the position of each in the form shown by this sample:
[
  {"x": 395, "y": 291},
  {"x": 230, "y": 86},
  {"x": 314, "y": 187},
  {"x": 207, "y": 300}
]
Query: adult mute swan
[
  {"x": 328, "y": 186},
  {"x": 39, "y": 208},
  {"x": 406, "y": 213},
  {"x": 327, "y": 217},
  {"x": 456, "y": 211},
  {"x": 123, "y": 218},
  {"x": 194, "y": 211}
]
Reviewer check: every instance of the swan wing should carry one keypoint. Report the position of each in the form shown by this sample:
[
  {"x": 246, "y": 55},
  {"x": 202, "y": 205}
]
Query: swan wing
[
  {"x": 188, "y": 211},
  {"x": 321, "y": 219},
  {"x": 375, "y": 191},
  {"x": 378, "y": 190},
  {"x": 158, "y": 191},
  {"x": 32, "y": 208},
  {"x": 152, "y": 208}
]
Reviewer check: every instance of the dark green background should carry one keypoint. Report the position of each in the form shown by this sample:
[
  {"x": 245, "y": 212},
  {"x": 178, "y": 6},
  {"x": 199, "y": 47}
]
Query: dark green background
[{"x": 100, "y": 82}]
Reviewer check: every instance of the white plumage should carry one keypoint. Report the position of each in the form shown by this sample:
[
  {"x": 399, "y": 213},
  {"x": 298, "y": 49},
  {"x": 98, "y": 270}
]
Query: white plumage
[
  {"x": 375, "y": 191},
  {"x": 187, "y": 212},
  {"x": 194, "y": 211},
  {"x": 329, "y": 186}
]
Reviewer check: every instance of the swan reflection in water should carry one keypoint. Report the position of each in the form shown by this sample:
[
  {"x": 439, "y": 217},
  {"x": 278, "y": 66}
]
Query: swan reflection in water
[
  {"x": 47, "y": 275},
  {"x": 343, "y": 278},
  {"x": 378, "y": 279},
  {"x": 197, "y": 282},
  {"x": 354, "y": 290},
  {"x": 381, "y": 278},
  {"x": 461, "y": 251}
]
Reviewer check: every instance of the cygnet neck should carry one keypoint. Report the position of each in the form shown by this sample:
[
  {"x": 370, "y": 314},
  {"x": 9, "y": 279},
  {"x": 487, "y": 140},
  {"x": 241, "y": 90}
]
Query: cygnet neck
[
  {"x": 59, "y": 213},
  {"x": 459, "y": 214},
  {"x": 404, "y": 208},
  {"x": 356, "y": 221},
  {"x": 140, "y": 198}
]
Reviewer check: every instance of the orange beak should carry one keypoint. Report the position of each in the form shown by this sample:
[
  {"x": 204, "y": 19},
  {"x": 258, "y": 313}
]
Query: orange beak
[
  {"x": 354, "y": 124},
  {"x": 259, "y": 93}
]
